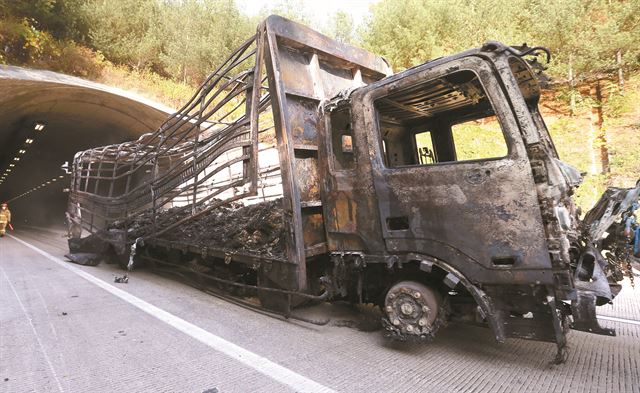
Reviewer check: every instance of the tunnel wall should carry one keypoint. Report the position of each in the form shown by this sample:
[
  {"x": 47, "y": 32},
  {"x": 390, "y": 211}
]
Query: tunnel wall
[{"x": 76, "y": 115}]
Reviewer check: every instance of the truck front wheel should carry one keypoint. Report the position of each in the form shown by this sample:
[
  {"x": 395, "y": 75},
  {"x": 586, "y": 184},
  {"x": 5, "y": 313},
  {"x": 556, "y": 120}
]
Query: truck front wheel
[{"x": 413, "y": 311}]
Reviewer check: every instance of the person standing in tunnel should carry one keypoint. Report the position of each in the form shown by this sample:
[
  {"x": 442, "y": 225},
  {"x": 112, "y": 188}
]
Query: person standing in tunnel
[{"x": 5, "y": 218}]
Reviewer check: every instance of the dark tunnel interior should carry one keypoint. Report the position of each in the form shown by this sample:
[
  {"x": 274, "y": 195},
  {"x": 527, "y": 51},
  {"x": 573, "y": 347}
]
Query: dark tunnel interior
[{"x": 43, "y": 125}]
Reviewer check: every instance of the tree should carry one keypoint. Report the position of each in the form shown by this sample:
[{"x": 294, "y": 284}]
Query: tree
[
  {"x": 412, "y": 32},
  {"x": 341, "y": 27},
  {"x": 63, "y": 19},
  {"x": 407, "y": 33},
  {"x": 214, "y": 30},
  {"x": 127, "y": 31},
  {"x": 559, "y": 26},
  {"x": 617, "y": 36},
  {"x": 290, "y": 9}
]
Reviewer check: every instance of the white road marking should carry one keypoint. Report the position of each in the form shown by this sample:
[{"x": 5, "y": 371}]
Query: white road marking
[
  {"x": 244, "y": 356},
  {"x": 35, "y": 332},
  {"x": 623, "y": 320}
]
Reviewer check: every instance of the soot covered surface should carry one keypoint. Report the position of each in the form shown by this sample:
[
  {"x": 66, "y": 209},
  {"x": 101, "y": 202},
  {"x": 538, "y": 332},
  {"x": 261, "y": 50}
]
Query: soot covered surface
[{"x": 254, "y": 229}]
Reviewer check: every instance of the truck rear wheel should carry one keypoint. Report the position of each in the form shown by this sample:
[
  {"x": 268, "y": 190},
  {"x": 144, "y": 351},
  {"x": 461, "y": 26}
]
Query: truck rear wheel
[{"x": 414, "y": 311}]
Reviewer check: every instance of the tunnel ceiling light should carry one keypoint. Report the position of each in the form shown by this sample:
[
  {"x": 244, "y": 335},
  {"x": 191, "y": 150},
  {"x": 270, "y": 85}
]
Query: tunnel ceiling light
[
  {"x": 12, "y": 165},
  {"x": 39, "y": 126},
  {"x": 16, "y": 158},
  {"x": 22, "y": 151},
  {"x": 28, "y": 141}
]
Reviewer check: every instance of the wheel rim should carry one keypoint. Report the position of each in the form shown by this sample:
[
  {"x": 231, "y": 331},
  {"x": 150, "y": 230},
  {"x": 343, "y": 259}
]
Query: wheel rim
[{"x": 412, "y": 307}]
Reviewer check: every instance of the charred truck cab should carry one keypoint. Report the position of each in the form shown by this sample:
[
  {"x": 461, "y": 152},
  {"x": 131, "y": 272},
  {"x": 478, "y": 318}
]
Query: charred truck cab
[
  {"x": 489, "y": 234},
  {"x": 435, "y": 193}
]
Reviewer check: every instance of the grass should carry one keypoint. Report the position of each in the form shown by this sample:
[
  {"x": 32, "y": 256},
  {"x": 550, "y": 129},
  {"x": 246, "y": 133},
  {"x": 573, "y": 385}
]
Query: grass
[
  {"x": 476, "y": 140},
  {"x": 147, "y": 84}
]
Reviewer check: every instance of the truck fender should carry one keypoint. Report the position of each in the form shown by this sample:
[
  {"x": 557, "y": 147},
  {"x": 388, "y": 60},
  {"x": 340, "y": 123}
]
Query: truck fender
[{"x": 484, "y": 302}]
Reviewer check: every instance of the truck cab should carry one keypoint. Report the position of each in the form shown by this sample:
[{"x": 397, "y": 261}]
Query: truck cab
[{"x": 446, "y": 176}]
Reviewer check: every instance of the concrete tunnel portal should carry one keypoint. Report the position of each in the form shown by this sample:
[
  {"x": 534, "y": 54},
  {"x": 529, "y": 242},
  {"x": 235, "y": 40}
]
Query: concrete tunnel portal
[{"x": 45, "y": 118}]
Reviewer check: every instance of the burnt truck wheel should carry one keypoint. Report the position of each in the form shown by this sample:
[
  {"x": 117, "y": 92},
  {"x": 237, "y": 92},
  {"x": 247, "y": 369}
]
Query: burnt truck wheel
[{"x": 413, "y": 311}]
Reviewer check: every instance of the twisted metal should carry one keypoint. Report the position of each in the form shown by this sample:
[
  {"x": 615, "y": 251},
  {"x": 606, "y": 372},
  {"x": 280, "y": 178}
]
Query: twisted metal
[{"x": 202, "y": 156}]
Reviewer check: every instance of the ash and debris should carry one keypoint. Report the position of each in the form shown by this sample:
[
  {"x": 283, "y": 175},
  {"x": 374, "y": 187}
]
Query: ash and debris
[
  {"x": 254, "y": 229},
  {"x": 364, "y": 317},
  {"x": 121, "y": 279}
]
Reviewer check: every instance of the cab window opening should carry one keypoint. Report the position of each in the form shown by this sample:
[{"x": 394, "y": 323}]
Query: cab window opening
[
  {"x": 342, "y": 139},
  {"x": 447, "y": 119}
]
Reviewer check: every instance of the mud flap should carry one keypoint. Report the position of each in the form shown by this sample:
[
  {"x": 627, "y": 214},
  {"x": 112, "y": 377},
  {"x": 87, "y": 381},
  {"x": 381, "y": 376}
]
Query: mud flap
[{"x": 584, "y": 314}]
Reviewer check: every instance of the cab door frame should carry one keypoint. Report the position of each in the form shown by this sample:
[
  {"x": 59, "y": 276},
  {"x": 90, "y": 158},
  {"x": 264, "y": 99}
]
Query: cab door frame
[{"x": 451, "y": 217}]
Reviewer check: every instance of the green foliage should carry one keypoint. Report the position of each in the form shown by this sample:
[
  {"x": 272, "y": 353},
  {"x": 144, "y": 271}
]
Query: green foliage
[
  {"x": 62, "y": 19},
  {"x": 341, "y": 27},
  {"x": 473, "y": 140},
  {"x": 290, "y": 9},
  {"x": 412, "y": 32},
  {"x": 147, "y": 84},
  {"x": 477, "y": 140},
  {"x": 185, "y": 39},
  {"x": 617, "y": 103},
  {"x": 193, "y": 50},
  {"x": 24, "y": 44},
  {"x": 584, "y": 35},
  {"x": 126, "y": 31}
]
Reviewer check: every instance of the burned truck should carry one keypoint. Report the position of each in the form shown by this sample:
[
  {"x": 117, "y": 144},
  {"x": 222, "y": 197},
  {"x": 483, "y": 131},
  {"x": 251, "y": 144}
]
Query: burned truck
[{"x": 304, "y": 170}]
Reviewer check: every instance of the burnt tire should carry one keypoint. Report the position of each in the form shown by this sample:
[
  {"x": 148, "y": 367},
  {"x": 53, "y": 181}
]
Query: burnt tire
[{"x": 413, "y": 310}]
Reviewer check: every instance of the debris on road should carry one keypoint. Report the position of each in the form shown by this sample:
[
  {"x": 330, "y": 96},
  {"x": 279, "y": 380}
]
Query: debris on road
[
  {"x": 89, "y": 244},
  {"x": 85, "y": 258},
  {"x": 121, "y": 280},
  {"x": 363, "y": 317}
]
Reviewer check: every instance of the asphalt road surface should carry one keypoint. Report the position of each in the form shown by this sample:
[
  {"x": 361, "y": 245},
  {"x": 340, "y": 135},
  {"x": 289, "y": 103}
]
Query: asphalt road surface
[{"x": 70, "y": 328}]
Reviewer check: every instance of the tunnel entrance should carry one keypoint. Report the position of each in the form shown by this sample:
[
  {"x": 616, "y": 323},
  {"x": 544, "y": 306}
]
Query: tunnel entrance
[{"x": 45, "y": 118}]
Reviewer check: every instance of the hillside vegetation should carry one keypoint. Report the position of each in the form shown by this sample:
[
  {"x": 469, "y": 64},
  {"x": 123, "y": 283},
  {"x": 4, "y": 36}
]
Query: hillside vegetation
[{"x": 163, "y": 49}]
